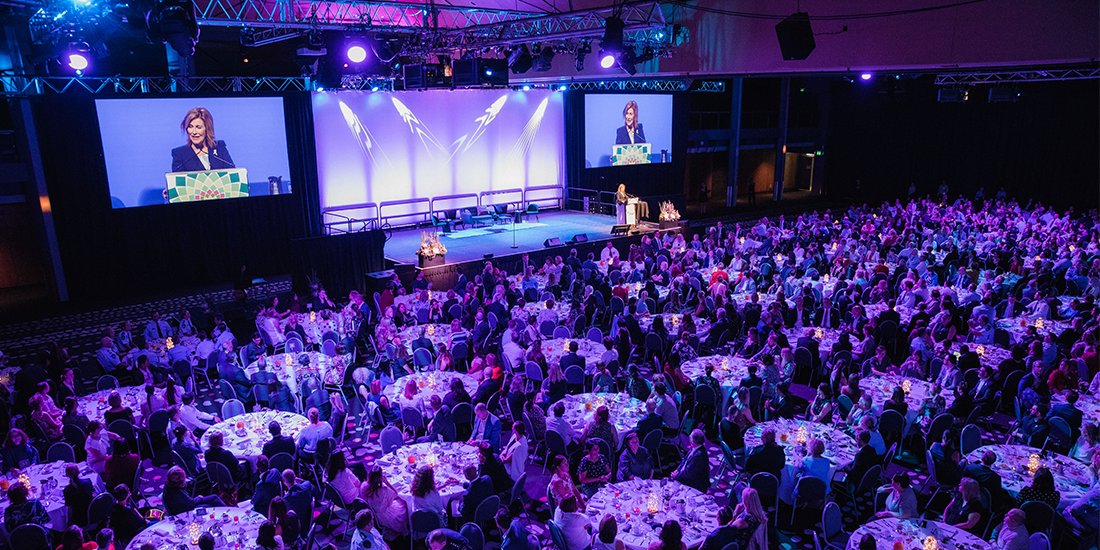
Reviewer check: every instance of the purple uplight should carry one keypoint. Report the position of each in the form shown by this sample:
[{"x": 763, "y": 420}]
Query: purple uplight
[{"x": 865, "y": 76}]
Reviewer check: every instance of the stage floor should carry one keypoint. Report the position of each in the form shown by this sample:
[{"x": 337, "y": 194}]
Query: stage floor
[{"x": 466, "y": 245}]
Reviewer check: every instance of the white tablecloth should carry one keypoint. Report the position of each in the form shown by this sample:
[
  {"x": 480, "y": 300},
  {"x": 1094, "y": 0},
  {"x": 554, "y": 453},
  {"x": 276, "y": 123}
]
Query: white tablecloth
[
  {"x": 233, "y": 528},
  {"x": 329, "y": 370},
  {"x": 248, "y": 441},
  {"x": 556, "y": 348},
  {"x": 1071, "y": 477},
  {"x": 535, "y": 308},
  {"x": 159, "y": 346},
  {"x": 52, "y": 498},
  {"x": 881, "y": 388},
  {"x": 990, "y": 355},
  {"x": 625, "y": 411},
  {"x": 1019, "y": 326},
  {"x": 672, "y": 323},
  {"x": 315, "y": 325},
  {"x": 630, "y": 504},
  {"x": 94, "y": 405},
  {"x": 439, "y": 334},
  {"x": 447, "y": 460},
  {"x": 911, "y": 533},
  {"x": 427, "y": 384},
  {"x": 1088, "y": 404},
  {"x": 825, "y": 337},
  {"x": 840, "y": 448}
]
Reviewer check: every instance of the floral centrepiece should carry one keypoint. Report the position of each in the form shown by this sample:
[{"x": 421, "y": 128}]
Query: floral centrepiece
[
  {"x": 430, "y": 246},
  {"x": 668, "y": 212}
]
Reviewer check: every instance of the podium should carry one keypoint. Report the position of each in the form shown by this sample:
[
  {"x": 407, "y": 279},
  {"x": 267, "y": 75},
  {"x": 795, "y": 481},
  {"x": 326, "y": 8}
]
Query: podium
[
  {"x": 632, "y": 211},
  {"x": 228, "y": 183},
  {"x": 630, "y": 153}
]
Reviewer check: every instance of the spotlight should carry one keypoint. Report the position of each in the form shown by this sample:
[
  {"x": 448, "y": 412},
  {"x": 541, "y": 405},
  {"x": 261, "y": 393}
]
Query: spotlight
[
  {"x": 78, "y": 61},
  {"x": 612, "y": 44},
  {"x": 519, "y": 59},
  {"x": 488, "y": 72},
  {"x": 561, "y": 88},
  {"x": 865, "y": 76},
  {"x": 526, "y": 88},
  {"x": 544, "y": 60},
  {"x": 356, "y": 53},
  {"x": 374, "y": 89},
  {"x": 627, "y": 61},
  {"x": 607, "y": 61},
  {"x": 77, "y": 56}
]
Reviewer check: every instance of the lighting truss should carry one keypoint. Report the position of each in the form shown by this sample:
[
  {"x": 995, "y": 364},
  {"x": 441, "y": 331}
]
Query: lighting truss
[
  {"x": 22, "y": 86},
  {"x": 645, "y": 85},
  {"x": 1017, "y": 76}
]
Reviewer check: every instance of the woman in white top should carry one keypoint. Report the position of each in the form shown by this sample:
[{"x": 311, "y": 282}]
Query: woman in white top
[
  {"x": 426, "y": 495},
  {"x": 514, "y": 455},
  {"x": 341, "y": 478}
]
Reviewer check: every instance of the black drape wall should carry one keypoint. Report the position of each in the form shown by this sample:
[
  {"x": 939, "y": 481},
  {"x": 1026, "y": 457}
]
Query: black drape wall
[
  {"x": 107, "y": 252},
  {"x": 654, "y": 182},
  {"x": 1043, "y": 146}
]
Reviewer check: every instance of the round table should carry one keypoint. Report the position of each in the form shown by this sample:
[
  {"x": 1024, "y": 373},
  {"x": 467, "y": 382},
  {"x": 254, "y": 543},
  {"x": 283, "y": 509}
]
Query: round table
[
  {"x": 1018, "y": 326},
  {"x": 556, "y": 348},
  {"x": 246, "y": 434},
  {"x": 94, "y": 405},
  {"x": 1088, "y": 404},
  {"x": 159, "y": 346},
  {"x": 840, "y": 448},
  {"x": 1071, "y": 477},
  {"x": 625, "y": 411},
  {"x": 429, "y": 384},
  {"x": 672, "y": 323},
  {"x": 535, "y": 308},
  {"x": 727, "y": 369},
  {"x": 881, "y": 388},
  {"x": 631, "y": 502},
  {"x": 989, "y": 354},
  {"x": 447, "y": 460},
  {"x": 415, "y": 301},
  {"x": 438, "y": 333},
  {"x": 51, "y": 496},
  {"x": 911, "y": 533},
  {"x": 906, "y": 314},
  {"x": 315, "y": 326},
  {"x": 234, "y": 528},
  {"x": 825, "y": 337},
  {"x": 290, "y": 370}
]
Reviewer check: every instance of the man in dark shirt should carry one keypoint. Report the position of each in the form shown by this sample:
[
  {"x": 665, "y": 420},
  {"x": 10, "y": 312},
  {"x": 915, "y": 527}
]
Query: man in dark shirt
[
  {"x": 218, "y": 454},
  {"x": 768, "y": 457},
  {"x": 987, "y": 478},
  {"x": 725, "y": 534},
  {"x": 1034, "y": 428},
  {"x": 447, "y": 539},
  {"x": 651, "y": 421},
  {"x": 478, "y": 488},
  {"x": 781, "y": 405},
  {"x": 78, "y": 495},
  {"x": 1069, "y": 412},
  {"x": 125, "y": 520},
  {"x": 279, "y": 443},
  {"x": 752, "y": 380},
  {"x": 864, "y": 460},
  {"x": 299, "y": 498}
]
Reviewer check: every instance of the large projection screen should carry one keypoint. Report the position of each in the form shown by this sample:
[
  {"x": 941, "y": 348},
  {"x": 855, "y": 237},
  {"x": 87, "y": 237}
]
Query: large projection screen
[{"x": 387, "y": 146}]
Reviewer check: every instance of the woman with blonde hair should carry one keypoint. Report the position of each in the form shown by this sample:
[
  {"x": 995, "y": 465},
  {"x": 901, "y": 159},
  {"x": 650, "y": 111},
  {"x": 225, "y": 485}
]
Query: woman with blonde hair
[
  {"x": 554, "y": 386},
  {"x": 748, "y": 516}
]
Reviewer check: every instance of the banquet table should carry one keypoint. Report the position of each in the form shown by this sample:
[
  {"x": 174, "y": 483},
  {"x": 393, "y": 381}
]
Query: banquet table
[
  {"x": 47, "y": 483},
  {"x": 635, "y": 291},
  {"x": 912, "y": 533},
  {"x": 330, "y": 370},
  {"x": 561, "y": 308},
  {"x": 825, "y": 337},
  {"x": 728, "y": 370},
  {"x": 439, "y": 334},
  {"x": 94, "y": 405},
  {"x": 315, "y": 325},
  {"x": 428, "y": 384},
  {"x": 904, "y": 313},
  {"x": 556, "y": 348},
  {"x": 234, "y": 528},
  {"x": 625, "y": 411},
  {"x": 795, "y": 436},
  {"x": 160, "y": 347},
  {"x": 641, "y": 506},
  {"x": 415, "y": 301},
  {"x": 1019, "y": 327},
  {"x": 882, "y": 387},
  {"x": 246, "y": 434},
  {"x": 672, "y": 323},
  {"x": 989, "y": 354},
  {"x": 447, "y": 460},
  {"x": 1071, "y": 477}
]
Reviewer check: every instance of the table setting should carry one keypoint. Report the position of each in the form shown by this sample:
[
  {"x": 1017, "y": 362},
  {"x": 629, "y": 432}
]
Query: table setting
[
  {"x": 988, "y": 354},
  {"x": 641, "y": 506},
  {"x": 447, "y": 460},
  {"x": 556, "y": 348},
  {"x": 439, "y": 334},
  {"x": 161, "y": 347},
  {"x": 795, "y": 435},
  {"x": 246, "y": 434},
  {"x": 1016, "y": 464},
  {"x": 881, "y": 388},
  {"x": 1020, "y": 326},
  {"x": 317, "y": 324},
  {"x": 916, "y": 534},
  {"x": 625, "y": 411},
  {"x": 905, "y": 313},
  {"x": 1088, "y": 404},
  {"x": 561, "y": 308},
  {"x": 727, "y": 369},
  {"x": 417, "y": 300},
  {"x": 47, "y": 483},
  {"x": 672, "y": 323},
  {"x": 94, "y": 405},
  {"x": 231, "y": 527},
  {"x": 293, "y": 368},
  {"x": 825, "y": 337},
  {"x": 635, "y": 291},
  {"x": 428, "y": 384}
]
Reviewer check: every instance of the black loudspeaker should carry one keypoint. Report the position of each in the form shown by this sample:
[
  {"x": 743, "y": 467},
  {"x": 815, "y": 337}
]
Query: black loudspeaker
[
  {"x": 477, "y": 72},
  {"x": 796, "y": 38},
  {"x": 548, "y": 243},
  {"x": 581, "y": 238}
]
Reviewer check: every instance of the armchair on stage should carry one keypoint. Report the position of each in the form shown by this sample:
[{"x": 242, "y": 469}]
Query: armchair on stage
[{"x": 630, "y": 153}]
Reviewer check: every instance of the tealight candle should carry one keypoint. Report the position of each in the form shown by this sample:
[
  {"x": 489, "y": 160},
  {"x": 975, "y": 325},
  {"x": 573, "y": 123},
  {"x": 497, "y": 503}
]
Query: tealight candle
[
  {"x": 930, "y": 543},
  {"x": 652, "y": 503},
  {"x": 906, "y": 385},
  {"x": 313, "y": 317},
  {"x": 168, "y": 343},
  {"x": 981, "y": 350},
  {"x": 802, "y": 435}
]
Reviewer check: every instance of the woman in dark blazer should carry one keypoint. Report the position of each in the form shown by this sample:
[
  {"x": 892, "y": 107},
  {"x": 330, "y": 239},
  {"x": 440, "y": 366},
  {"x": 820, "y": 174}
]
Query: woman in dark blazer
[
  {"x": 631, "y": 125},
  {"x": 203, "y": 150}
]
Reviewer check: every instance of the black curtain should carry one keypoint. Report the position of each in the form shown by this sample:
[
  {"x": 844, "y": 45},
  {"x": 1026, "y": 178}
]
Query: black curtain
[
  {"x": 107, "y": 252},
  {"x": 1043, "y": 146},
  {"x": 339, "y": 262},
  {"x": 652, "y": 182}
]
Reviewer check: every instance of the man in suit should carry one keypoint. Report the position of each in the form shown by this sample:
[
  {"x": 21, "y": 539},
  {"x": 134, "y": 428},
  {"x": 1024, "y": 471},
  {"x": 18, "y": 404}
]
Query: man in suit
[
  {"x": 253, "y": 350},
  {"x": 230, "y": 371},
  {"x": 865, "y": 458},
  {"x": 986, "y": 477},
  {"x": 651, "y": 421},
  {"x": 985, "y": 391},
  {"x": 624, "y": 137},
  {"x": 279, "y": 443},
  {"x": 486, "y": 427},
  {"x": 968, "y": 359},
  {"x": 157, "y": 329},
  {"x": 752, "y": 380},
  {"x": 1069, "y": 412},
  {"x": 423, "y": 342},
  {"x": 946, "y": 458},
  {"x": 572, "y": 358},
  {"x": 268, "y": 486},
  {"x": 488, "y": 387},
  {"x": 768, "y": 457},
  {"x": 890, "y": 314},
  {"x": 299, "y": 498},
  {"x": 720, "y": 326},
  {"x": 442, "y": 424},
  {"x": 826, "y": 316},
  {"x": 780, "y": 406},
  {"x": 694, "y": 471},
  {"x": 807, "y": 341},
  {"x": 1034, "y": 428},
  {"x": 477, "y": 490},
  {"x": 260, "y": 381}
]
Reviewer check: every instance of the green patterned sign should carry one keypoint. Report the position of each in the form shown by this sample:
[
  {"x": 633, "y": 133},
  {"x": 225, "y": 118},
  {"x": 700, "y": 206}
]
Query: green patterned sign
[{"x": 201, "y": 186}]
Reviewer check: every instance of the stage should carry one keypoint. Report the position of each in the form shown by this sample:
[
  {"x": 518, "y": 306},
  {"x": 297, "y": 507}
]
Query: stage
[{"x": 469, "y": 244}]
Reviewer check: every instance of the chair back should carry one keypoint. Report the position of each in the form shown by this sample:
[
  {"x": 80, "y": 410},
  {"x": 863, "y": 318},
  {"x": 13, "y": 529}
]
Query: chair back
[
  {"x": 971, "y": 377},
  {"x": 178, "y": 460},
  {"x": 101, "y": 508},
  {"x": 390, "y": 439},
  {"x": 556, "y": 443},
  {"x": 463, "y": 414},
  {"x": 473, "y": 535},
  {"x": 595, "y": 335},
  {"x": 422, "y": 357},
  {"x": 654, "y": 343},
  {"x": 652, "y": 442},
  {"x": 1040, "y": 516},
  {"x": 106, "y": 382},
  {"x": 939, "y": 425},
  {"x": 845, "y": 404},
  {"x": 231, "y": 408},
  {"x": 158, "y": 422},
  {"x": 1060, "y": 432},
  {"x": 934, "y": 368},
  {"x": 970, "y": 439},
  {"x": 124, "y": 428},
  {"x": 1039, "y": 541},
  {"x": 328, "y": 347},
  {"x": 730, "y": 546},
  {"x": 803, "y": 359},
  {"x": 423, "y": 522},
  {"x": 412, "y": 418},
  {"x": 219, "y": 474},
  {"x": 890, "y": 453},
  {"x": 60, "y": 452},
  {"x": 486, "y": 510},
  {"x": 518, "y": 489},
  {"x": 809, "y": 490},
  {"x": 226, "y": 389},
  {"x": 704, "y": 395},
  {"x": 294, "y": 343},
  {"x": 281, "y": 462},
  {"x": 74, "y": 436},
  {"x": 459, "y": 351},
  {"x": 546, "y": 328},
  {"x": 556, "y": 536},
  {"x": 182, "y": 369},
  {"x": 767, "y": 486},
  {"x": 30, "y": 536},
  {"x": 562, "y": 332},
  {"x": 870, "y": 480},
  {"x": 831, "y": 520},
  {"x": 574, "y": 375},
  {"x": 891, "y": 424},
  {"x": 605, "y": 447}
]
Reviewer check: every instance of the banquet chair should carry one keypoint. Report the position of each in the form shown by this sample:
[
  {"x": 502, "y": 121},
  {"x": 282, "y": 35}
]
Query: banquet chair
[
  {"x": 941, "y": 423},
  {"x": 182, "y": 370},
  {"x": 519, "y": 495},
  {"x": 486, "y": 510},
  {"x": 890, "y": 455},
  {"x": 845, "y": 404},
  {"x": 231, "y": 408},
  {"x": 767, "y": 487},
  {"x": 1060, "y": 438},
  {"x": 106, "y": 382},
  {"x": 1040, "y": 517},
  {"x": 729, "y": 460},
  {"x": 1040, "y": 541},
  {"x": 652, "y": 442},
  {"x": 934, "y": 368},
  {"x": 219, "y": 475},
  {"x": 562, "y": 332},
  {"x": 473, "y": 535},
  {"x": 226, "y": 390},
  {"x": 556, "y": 536},
  {"x": 932, "y": 478},
  {"x": 100, "y": 509},
  {"x": 412, "y": 419},
  {"x": 832, "y": 528},
  {"x": 555, "y": 444},
  {"x": 595, "y": 335},
  {"x": 422, "y": 316},
  {"x": 546, "y": 328},
  {"x": 76, "y": 438},
  {"x": 390, "y": 439},
  {"x": 422, "y": 358},
  {"x": 574, "y": 377},
  {"x": 421, "y": 523},
  {"x": 328, "y": 347},
  {"x": 970, "y": 439},
  {"x": 242, "y": 356},
  {"x": 866, "y": 484},
  {"x": 282, "y": 461},
  {"x": 459, "y": 353},
  {"x": 463, "y": 415},
  {"x": 30, "y": 536},
  {"x": 339, "y": 510},
  {"x": 892, "y": 426},
  {"x": 578, "y": 325},
  {"x": 730, "y": 546},
  {"x": 60, "y": 452},
  {"x": 294, "y": 343}
]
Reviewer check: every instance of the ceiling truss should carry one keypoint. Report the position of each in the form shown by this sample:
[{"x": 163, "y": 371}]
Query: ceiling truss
[{"x": 1017, "y": 76}]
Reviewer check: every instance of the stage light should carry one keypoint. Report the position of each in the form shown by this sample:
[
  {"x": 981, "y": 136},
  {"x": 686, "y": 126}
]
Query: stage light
[
  {"x": 865, "y": 76},
  {"x": 78, "y": 61},
  {"x": 356, "y": 54},
  {"x": 612, "y": 44},
  {"x": 526, "y": 88},
  {"x": 607, "y": 61},
  {"x": 544, "y": 60},
  {"x": 519, "y": 59},
  {"x": 374, "y": 89},
  {"x": 488, "y": 72},
  {"x": 561, "y": 88}
]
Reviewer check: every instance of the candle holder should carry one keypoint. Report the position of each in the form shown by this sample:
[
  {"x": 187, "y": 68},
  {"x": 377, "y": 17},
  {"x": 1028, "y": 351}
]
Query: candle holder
[
  {"x": 313, "y": 317},
  {"x": 1039, "y": 323},
  {"x": 1033, "y": 464},
  {"x": 168, "y": 343},
  {"x": 802, "y": 435},
  {"x": 819, "y": 333},
  {"x": 194, "y": 530},
  {"x": 431, "y": 330},
  {"x": 930, "y": 543},
  {"x": 287, "y": 359},
  {"x": 906, "y": 385},
  {"x": 981, "y": 351},
  {"x": 652, "y": 503}
]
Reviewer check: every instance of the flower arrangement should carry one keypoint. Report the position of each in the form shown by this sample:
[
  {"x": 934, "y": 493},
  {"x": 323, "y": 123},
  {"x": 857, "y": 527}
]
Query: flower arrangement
[
  {"x": 668, "y": 212},
  {"x": 430, "y": 246}
]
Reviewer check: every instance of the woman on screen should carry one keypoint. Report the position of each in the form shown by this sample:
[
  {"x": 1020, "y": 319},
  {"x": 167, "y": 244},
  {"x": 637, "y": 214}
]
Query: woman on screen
[
  {"x": 203, "y": 151},
  {"x": 631, "y": 130}
]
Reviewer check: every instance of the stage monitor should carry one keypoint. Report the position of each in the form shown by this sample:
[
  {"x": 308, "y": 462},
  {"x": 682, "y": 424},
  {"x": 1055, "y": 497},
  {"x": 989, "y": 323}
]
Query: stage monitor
[
  {"x": 173, "y": 150},
  {"x": 441, "y": 149},
  {"x": 624, "y": 129}
]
